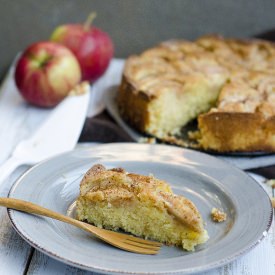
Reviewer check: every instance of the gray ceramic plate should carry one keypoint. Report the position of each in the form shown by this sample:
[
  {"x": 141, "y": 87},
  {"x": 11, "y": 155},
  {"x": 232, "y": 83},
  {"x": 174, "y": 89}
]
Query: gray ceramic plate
[{"x": 204, "y": 179}]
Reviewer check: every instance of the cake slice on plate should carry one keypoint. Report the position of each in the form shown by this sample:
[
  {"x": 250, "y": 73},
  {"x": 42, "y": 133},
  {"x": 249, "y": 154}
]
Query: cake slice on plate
[{"x": 141, "y": 205}]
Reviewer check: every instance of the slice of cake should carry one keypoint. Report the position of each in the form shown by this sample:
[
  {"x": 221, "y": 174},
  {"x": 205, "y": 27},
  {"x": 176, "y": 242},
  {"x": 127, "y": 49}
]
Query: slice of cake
[{"x": 141, "y": 205}]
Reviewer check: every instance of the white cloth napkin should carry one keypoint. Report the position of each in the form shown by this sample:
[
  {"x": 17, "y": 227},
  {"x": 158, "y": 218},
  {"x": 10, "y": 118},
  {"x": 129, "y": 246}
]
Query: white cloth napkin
[
  {"x": 100, "y": 89},
  {"x": 113, "y": 77}
]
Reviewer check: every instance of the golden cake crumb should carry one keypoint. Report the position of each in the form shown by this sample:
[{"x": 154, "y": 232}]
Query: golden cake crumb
[
  {"x": 149, "y": 140},
  {"x": 80, "y": 89},
  {"x": 218, "y": 215},
  {"x": 273, "y": 202},
  {"x": 271, "y": 183}
]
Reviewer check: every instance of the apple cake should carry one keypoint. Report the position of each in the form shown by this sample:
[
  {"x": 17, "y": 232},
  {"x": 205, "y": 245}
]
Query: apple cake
[
  {"x": 226, "y": 85},
  {"x": 141, "y": 205}
]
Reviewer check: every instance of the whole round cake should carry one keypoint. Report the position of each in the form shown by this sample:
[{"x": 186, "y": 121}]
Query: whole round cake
[{"x": 227, "y": 85}]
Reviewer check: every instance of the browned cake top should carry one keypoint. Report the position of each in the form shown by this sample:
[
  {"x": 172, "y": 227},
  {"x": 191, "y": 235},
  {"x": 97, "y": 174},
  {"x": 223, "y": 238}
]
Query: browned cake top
[
  {"x": 245, "y": 71},
  {"x": 118, "y": 187}
]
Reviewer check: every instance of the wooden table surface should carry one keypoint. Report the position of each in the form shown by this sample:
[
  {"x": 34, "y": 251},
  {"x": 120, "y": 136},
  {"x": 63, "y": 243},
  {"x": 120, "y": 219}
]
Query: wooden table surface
[{"x": 18, "y": 257}]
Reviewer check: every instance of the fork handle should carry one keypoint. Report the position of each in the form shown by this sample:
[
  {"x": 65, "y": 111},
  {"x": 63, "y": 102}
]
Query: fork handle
[{"x": 32, "y": 208}]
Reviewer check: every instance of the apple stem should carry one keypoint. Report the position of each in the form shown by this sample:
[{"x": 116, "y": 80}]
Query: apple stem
[{"x": 89, "y": 21}]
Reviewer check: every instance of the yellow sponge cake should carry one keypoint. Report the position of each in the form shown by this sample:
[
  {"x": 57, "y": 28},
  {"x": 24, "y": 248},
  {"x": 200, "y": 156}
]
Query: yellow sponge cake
[{"x": 141, "y": 205}]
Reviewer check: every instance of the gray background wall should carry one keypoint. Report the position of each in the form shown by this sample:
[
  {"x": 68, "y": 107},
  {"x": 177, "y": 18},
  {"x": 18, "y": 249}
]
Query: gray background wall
[{"x": 132, "y": 24}]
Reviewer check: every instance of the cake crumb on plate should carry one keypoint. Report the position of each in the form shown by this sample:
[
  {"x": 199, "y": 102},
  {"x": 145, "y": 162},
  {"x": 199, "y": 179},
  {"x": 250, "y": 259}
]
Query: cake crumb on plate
[{"x": 218, "y": 215}]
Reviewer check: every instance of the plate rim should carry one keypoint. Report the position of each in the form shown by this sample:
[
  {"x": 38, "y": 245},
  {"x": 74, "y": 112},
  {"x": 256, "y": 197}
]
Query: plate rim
[{"x": 207, "y": 266}]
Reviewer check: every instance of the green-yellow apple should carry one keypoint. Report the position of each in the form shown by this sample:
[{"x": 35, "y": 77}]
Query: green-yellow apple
[
  {"x": 92, "y": 47},
  {"x": 46, "y": 72}
]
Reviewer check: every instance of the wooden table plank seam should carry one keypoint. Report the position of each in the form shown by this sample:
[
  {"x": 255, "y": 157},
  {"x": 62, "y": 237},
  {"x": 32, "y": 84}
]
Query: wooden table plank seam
[{"x": 28, "y": 263}]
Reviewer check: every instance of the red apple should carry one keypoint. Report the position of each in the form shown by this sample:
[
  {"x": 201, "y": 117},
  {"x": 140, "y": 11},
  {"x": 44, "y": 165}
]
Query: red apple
[
  {"x": 46, "y": 72},
  {"x": 92, "y": 47}
]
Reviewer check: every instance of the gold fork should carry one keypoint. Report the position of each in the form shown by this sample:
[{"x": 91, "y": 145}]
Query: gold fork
[{"x": 122, "y": 241}]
